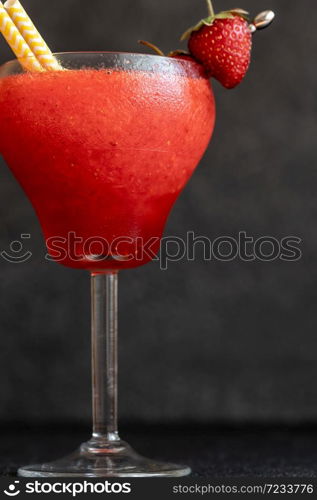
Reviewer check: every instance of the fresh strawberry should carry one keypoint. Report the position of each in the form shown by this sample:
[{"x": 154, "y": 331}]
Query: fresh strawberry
[{"x": 222, "y": 43}]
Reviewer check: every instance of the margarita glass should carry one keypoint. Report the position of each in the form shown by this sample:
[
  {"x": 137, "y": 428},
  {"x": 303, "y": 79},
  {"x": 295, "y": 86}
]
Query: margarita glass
[{"x": 102, "y": 150}]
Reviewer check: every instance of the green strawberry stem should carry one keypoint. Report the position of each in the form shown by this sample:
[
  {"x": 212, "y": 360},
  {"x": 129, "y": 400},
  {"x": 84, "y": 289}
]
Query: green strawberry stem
[
  {"x": 210, "y": 8},
  {"x": 152, "y": 47}
]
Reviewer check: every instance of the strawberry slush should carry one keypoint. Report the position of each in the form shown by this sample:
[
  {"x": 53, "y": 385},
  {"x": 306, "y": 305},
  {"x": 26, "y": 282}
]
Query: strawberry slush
[{"x": 104, "y": 154}]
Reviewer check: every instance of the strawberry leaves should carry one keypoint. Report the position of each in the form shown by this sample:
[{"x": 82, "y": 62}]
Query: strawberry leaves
[{"x": 208, "y": 21}]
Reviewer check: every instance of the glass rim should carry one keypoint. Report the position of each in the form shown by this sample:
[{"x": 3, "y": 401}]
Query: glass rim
[{"x": 105, "y": 52}]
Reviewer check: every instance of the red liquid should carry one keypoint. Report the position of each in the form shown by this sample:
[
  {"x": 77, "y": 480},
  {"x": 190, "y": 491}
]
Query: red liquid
[{"x": 104, "y": 155}]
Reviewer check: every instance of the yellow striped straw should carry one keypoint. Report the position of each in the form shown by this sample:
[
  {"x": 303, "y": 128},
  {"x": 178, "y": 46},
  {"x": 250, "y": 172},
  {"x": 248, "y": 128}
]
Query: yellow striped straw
[
  {"x": 17, "y": 42},
  {"x": 31, "y": 35}
]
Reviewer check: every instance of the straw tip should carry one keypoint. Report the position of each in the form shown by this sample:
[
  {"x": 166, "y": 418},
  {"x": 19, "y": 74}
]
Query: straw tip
[{"x": 10, "y": 3}]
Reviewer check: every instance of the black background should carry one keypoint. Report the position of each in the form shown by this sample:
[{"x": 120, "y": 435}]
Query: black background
[{"x": 203, "y": 341}]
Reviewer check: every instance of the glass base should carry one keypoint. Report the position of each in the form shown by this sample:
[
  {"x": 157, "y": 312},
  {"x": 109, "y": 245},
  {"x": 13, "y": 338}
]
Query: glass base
[{"x": 107, "y": 459}]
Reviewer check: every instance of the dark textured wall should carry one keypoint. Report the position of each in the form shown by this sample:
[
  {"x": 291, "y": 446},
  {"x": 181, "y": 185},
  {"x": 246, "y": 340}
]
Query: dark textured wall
[{"x": 203, "y": 340}]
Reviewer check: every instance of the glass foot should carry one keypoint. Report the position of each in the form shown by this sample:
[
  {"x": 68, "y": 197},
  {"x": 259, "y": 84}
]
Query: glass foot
[{"x": 108, "y": 459}]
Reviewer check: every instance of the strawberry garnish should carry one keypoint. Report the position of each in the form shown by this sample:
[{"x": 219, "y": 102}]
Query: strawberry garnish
[{"x": 222, "y": 43}]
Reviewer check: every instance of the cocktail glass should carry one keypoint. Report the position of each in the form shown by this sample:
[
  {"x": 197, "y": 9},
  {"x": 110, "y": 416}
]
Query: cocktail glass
[{"x": 103, "y": 149}]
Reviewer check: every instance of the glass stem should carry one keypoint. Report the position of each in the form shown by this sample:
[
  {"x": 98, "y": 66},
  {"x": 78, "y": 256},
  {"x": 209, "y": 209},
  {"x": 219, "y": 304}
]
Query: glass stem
[{"x": 104, "y": 341}]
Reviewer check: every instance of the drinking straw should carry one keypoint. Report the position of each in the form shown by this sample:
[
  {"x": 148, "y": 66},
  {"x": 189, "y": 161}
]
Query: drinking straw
[
  {"x": 17, "y": 42},
  {"x": 31, "y": 35}
]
